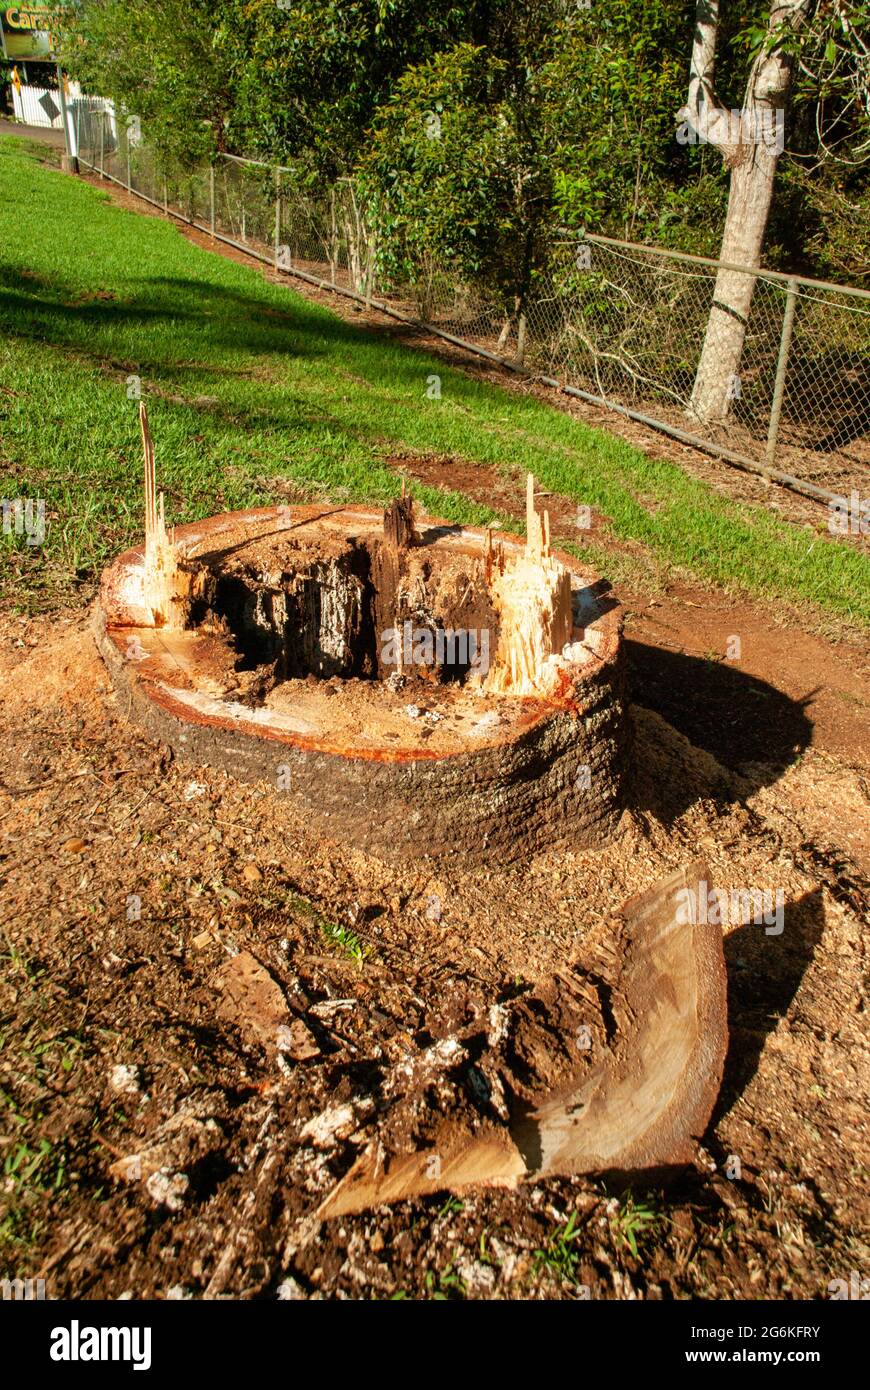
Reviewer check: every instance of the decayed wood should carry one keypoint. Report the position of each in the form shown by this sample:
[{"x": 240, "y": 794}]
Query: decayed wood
[
  {"x": 399, "y": 530},
  {"x": 488, "y": 783}
]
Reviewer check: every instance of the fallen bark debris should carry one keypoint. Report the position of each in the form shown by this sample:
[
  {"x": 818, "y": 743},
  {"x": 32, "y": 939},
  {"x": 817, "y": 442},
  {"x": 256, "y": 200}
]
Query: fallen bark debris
[{"x": 163, "y": 1161}]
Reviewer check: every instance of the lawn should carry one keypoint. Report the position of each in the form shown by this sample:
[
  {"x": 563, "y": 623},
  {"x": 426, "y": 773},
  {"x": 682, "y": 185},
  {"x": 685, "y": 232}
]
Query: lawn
[{"x": 250, "y": 387}]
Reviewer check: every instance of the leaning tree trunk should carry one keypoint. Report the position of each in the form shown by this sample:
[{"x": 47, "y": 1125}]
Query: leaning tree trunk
[
  {"x": 750, "y": 143},
  {"x": 719, "y": 365}
]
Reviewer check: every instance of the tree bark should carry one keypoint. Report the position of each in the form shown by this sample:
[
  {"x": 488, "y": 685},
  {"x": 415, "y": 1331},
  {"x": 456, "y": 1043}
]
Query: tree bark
[{"x": 750, "y": 142}]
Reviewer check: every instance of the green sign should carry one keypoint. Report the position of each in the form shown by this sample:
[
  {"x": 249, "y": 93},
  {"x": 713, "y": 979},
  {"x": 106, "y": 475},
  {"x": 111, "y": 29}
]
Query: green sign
[{"x": 26, "y": 32}]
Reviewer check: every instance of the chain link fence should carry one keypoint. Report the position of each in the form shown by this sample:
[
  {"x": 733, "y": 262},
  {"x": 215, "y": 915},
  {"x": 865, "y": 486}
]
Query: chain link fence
[{"x": 618, "y": 324}]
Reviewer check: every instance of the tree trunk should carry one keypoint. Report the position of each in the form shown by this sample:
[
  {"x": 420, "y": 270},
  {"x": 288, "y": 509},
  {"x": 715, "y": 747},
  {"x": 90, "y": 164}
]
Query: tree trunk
[
  {"x": 750, "y": 142},
  {"x": 719, "y": 365}
]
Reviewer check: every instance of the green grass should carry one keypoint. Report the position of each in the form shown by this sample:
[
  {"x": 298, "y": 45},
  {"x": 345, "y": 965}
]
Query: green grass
[
  {"x": 444, "y": 1285},
  {"x": 345, "y": 940},
  {"x": 28, "y": 1172},
  {"x": 257, "y": 395},
  {"x": 558, "y": 1256},
  {"x": 342, "y": 938},
  {"x": 635, "y": 1223}
]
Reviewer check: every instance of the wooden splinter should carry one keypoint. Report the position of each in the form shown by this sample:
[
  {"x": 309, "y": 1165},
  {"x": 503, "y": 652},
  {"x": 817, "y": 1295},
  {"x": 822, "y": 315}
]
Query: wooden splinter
[
  {"x": 537, "y": 527},
  {"x": 532, "y": 595},
  {"x": 164, "y": 585}
]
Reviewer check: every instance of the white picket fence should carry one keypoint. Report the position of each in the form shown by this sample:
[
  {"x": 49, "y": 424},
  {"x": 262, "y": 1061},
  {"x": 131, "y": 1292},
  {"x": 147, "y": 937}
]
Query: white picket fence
[
  {"x": 41, "y": 106},
  {"x": 34, "y": 105}
]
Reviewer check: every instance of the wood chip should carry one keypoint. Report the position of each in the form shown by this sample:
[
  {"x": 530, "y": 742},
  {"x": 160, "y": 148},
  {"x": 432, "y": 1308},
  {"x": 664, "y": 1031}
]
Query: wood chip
[{"x": 253, "y": 1001}]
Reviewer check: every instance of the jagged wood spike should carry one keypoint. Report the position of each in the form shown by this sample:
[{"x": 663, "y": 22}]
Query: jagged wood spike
[
  {"x": 164, "y": 583},
  {"x": 148, "y": 452},
  {"x": 532, "y": 595},
  {"x": 531, "y": 515}
]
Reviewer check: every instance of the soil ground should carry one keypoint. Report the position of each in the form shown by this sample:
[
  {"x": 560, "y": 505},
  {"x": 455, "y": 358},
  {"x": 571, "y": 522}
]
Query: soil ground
[
  {"x": 94, "y": 818},
  {"x": 131, "y": 880}
]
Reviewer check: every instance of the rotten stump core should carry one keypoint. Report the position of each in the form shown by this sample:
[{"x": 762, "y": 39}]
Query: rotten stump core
[{"x": 416, "y": 688}]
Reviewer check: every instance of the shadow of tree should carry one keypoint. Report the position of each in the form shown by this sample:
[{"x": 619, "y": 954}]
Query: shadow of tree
[
  {"x": 65, "y": 314},
  {"x": 749, "y": 727}
]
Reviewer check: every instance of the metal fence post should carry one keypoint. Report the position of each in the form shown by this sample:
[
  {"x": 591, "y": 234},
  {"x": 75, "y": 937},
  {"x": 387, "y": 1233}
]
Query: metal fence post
[
  {"x": 277, "y": 215},
  {"x": 165, "y": 195},
  {"x": 333, "y": 237},
  {"x": 781, "y": 366},
  {"x": 211, "y": 196},
  {"x": 370, "y": 270},
  {"x": 69, "y": 161}
]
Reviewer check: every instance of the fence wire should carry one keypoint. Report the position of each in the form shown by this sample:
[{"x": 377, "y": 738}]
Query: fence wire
[{"x": 624, "y": 324}]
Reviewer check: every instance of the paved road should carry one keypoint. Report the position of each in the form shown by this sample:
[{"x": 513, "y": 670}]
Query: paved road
[{"x": 32, "y": 132}]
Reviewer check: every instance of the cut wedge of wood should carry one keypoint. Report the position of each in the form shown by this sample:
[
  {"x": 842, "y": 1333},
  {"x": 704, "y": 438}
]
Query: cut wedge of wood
[{"x": 642, "y": 1105}]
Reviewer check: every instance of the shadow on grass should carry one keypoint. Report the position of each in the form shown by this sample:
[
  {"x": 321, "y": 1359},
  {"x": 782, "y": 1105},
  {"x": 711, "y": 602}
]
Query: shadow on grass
[{"x": 222, "y": 318}]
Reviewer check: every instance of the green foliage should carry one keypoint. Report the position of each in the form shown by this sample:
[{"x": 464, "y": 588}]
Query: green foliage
[
  {"x": 346, "y": 940},
  {"x": 444, "y": 1285},
  {"x": 30, "y": 1170},
  {"x": 173, "y": 63},
  {"x": 448, "y": 166},
  {"x": 316, "y": 73},
  {"x": 475, "y": 127},
  {"x": 635, "y": 1223},
  {"x": 343, "y": 938},
  {"x": 488, "y": 147},
  {"x": 612, "y": 88},
  {"x": 558, "y": 1257}
]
